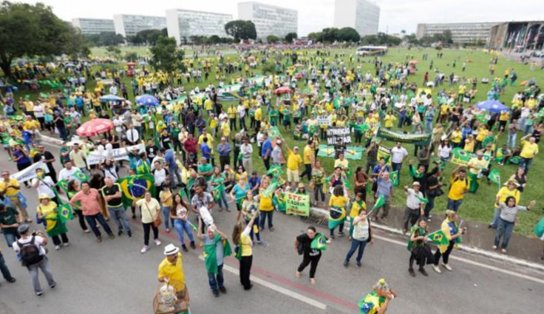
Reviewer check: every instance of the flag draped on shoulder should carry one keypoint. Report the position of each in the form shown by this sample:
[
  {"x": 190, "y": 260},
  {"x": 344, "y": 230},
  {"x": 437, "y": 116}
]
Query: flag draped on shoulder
[
  {"x": 319, "y": 242},
  {"x": 134, "y": 187},
  {"x": 210, "y": 253}
]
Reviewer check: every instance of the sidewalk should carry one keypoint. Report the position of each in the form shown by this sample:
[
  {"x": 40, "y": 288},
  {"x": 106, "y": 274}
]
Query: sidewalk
[{"x": 479, "y": 239}]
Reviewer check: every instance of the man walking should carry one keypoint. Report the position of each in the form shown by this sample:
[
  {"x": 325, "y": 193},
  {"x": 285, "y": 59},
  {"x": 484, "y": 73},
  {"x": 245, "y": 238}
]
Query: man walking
[
  {"x": 414, "y": 205},
  {"x": 398, "y": 154},
  {"x": 112, "y": 195},
  {"x": 30, "y": 249}
]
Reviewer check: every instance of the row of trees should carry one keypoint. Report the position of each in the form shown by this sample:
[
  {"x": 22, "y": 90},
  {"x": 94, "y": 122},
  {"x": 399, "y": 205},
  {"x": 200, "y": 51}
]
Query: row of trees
[
  {"x": 35, "y": 31},
  {"x": 332, "y": 34}
]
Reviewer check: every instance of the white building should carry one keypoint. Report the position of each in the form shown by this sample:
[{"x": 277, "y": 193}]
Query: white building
[
  {"x": 130, "y": 25},
  {"x": 362, "y": 15},
  {"x": 93, "y": 26},
  {"x": 182, "y": 24},
  {"x": 269, "y": 19}
]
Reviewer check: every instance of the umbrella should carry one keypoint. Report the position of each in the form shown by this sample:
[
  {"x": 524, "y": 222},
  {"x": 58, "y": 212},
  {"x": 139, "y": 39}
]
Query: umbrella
[
  {"x": 493, "y": 106},
  {"x": 283, "y": 90},
  {"x": 147, "y": 100},
  {"x": 94, "y": 127},
  {"x": 111, "y": 98}
]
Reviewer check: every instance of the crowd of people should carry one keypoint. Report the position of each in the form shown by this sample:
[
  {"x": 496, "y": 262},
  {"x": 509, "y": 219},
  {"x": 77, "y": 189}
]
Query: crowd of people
[{"x": 203, "y": 156}]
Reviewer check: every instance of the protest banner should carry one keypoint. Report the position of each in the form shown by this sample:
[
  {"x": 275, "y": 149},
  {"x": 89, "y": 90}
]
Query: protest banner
[
  {"x": 338, "y": 136},
  {"x": 297, "y": 204},
  {"x": 462, "y": 157},
  {"x": 385, "y": 153},
  {"x": 418, "y": 139},
  {"x": 29, "y": 172},
  {"x": 97, "y": 157},
  {"x": 324, "y": 120}
]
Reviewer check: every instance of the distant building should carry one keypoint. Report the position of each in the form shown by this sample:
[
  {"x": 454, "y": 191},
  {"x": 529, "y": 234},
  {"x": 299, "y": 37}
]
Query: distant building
[
  {"x": 461, "y": 33},
  {"x": 130, "y": 25},
  {"x": 269, "y": 19},
  {"x": 182, "y": 24},
  {"x": 362, "y": 15},
  {"x": 93, "y": 26},
  {"x": 519, "y": 35}
]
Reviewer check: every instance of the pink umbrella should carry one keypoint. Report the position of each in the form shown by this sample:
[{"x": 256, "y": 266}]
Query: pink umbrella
[
  {"x": 283, "y": 90},
  {"x": 94, "y": 127}
]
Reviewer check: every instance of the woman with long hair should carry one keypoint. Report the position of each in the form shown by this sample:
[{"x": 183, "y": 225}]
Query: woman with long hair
[
  {"x": 179, "y": 214},
  {"x": 54, "y": 226},
  {"x": 361, "y": 178},
  {"x": 507, "y": 218},
  {"x": 72, "y": 188},
  {"x": 318, "y": 176},
  {"x": 244, "y": 249}
]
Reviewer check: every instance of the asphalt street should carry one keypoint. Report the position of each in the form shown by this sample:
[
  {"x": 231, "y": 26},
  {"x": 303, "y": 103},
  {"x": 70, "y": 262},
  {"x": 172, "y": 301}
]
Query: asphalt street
[{"x": 113, "y": 277}]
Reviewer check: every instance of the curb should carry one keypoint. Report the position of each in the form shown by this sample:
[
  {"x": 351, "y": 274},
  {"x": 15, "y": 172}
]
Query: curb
[
  {"x": 518, "y": 261},
  {"x": 51, "y": 140}
]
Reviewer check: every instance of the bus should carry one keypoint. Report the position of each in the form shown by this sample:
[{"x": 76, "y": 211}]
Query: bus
[{"x": 371, "y": 50}]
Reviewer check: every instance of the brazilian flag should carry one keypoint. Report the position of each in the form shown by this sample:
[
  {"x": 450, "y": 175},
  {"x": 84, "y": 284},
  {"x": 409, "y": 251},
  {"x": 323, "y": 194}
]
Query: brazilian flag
[
  {"x": 80, "y": 176},
  {"x": 65, "y": 212},
  {"x": 394, "y": 177},
  {"x": 337, "y": 216},
  {"x": 210, "y": 255},
  {"x": 134, "y": 187},
  {"x": 439, "y": 239},
  {"x": 63, "y": 184},
  {"x": 319, "y": 242}
]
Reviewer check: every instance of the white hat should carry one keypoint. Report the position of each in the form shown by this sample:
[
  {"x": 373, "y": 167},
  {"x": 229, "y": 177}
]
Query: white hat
[{"x": 171, "y": 249}]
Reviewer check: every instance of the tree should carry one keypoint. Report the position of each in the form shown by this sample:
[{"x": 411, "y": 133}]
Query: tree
[
  {"x": 131, "y": 56},
  {"x": 148, "y": 36},
  {"x": 315, "y": 37},
  {"x": 240, "y": 29},
  {"x": 166, "y": 56},
  {"x": 447, "y": 36},
  {"x": 348, "y": 34},
  {"x": 113, "y": 51},
  {"x": 329, "y": 34},
  {"x": 33, "y": 30},
  {"x": 105, "y": 39},
  {"x": 290, "y": 36},
  {"x": 272, "y": 39}
]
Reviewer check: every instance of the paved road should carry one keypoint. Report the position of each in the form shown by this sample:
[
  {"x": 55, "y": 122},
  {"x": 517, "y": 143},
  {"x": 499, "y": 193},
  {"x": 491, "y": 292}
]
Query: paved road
[{"x": 113, "y": 277}]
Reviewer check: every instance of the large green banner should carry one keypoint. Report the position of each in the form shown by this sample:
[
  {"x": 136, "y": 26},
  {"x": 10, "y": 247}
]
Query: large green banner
[
  {"x": 419, "y": 139},
  {"x": 297, "y": 204},
  {"x": 351, "y": 152},
  {"x": 462, "y": 157}
]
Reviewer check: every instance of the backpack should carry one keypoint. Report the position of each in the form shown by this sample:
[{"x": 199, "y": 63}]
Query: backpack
[{"x": 29, "y": 253}]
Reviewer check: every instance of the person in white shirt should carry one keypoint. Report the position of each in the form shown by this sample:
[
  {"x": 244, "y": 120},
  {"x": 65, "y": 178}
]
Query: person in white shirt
[
  {"x": 40, "y": 261},
  {"x": 242, "y": 116},
  {"x": 398, "y": 154},
  {"x": 246, "y": 149},
  {"x": 67, "y": 173},
  {"x": 44, "y": 184},
  {"x": 159, "y": 174},
  {"x": 133, "y": 136},
  {"x": 118, "y": 123},
  {"x": 414, "y": 205}
]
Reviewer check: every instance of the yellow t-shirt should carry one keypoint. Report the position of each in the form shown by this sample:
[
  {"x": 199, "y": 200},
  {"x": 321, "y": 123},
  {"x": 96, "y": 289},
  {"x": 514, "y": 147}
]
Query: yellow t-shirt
[
  {"x": 505, "y": 192},
  {"x": 208, "y": 105},
  {"x": 265, "y": 202},
  {"x": 338, "y": 201},
  {"x": 456, "y": 137},
  {"x": 528, "y": 150},
  {"x": 293, "y": 161},
  {"x": 225, "y": 129},
  {"x": 476, "y": 165},
  {"x": 174, "y": 273},
  {"x": 457, "y": 189},
  {"x": 389, "y": 120},
  {"x": 482, "y": 133},
  {"x": 231, "y": 112},
  {"x": 12, "y": 190},
  {"x": 355, "y": 208},
  {"x": 247, "y": 245},
  {"x": 258, "y": 114},
  {"x": 469, "y": 146},
  {"x": 201, "y": 139},
  {"x": 163, "y": 195},
  {"x": 308, "y": 155},
  {"x": 49, "y": 213},
  {"x": 344, "y": 164}
]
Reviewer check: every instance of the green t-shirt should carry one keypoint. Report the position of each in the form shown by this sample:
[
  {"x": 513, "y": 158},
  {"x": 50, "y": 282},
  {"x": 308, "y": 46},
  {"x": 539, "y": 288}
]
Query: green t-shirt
[
  {"x": 9, "y": 216},
  {"x": 205, "y": 168}
]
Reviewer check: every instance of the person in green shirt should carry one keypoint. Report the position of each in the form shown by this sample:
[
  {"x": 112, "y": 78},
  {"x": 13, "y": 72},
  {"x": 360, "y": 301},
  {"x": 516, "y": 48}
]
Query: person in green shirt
[
  {"x": 377, "y": 301},
  {"x": 218, "y": 191},
  {"x": 205, "y": 169}
]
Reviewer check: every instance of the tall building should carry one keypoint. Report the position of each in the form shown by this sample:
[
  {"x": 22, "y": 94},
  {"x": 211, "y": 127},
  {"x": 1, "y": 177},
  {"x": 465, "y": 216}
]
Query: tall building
[
  {"x": 93, "y": 26},
  {"x": 461, "y": 33},
  {"x": 130, "y": 25},
  {"x": 182, "y": 24},
  {"x": 362, "y": 15},
  {"x": 518, "y": 35},
  {"x": 269, "y": 19}
]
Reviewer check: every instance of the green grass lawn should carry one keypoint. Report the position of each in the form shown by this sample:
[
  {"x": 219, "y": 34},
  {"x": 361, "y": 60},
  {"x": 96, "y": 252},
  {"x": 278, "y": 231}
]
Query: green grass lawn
[{"x": 477, "y": 207}]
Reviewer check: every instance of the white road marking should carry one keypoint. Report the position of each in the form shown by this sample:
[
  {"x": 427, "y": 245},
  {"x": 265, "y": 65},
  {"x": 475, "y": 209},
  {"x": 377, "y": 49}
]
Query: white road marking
[
  {"x": 278, "y": 289},
  {"x": 467, "y": 261}
]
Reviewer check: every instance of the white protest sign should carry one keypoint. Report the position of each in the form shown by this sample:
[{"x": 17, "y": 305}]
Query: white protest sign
[
  {"x": 97, "y": 157},
  {"x": 29, "y": 172}
]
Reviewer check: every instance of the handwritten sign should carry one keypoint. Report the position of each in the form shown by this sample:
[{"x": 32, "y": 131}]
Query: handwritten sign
[{"x": 297, "y": 204}]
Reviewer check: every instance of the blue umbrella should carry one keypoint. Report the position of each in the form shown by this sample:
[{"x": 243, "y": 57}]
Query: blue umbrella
[
  {"x": 111, "y": 98},
  {"x": 492, "y": 106},
  {"x": 147, "y": 100}
]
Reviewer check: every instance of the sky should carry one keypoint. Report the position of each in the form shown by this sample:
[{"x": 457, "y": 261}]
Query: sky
[{"x": 314, "y": 15}]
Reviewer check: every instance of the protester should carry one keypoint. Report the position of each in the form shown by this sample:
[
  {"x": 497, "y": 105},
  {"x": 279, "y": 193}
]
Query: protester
[
  {"x": 360, "y": 236},
  {"x": 91, "y": 207},
  {"x": 459, "y": 185},
  {"x": 216, "y": 248},
  {"x": 10, "y": 219},
  {"x": 311, "y": 254},
  {"x": 179, "y": 213},
  {"x": 30, "y": 249},
  {"x": 378, "y": 300},
  {"x": 452, "y": 232},
  {"x": 10, "y": 188},
  {"x": 170, "y": 271},
  {"x": 72, "y": 189},
  {"x": 420, "y": 251},
  {"x": 507, "y": 217},
  {"x": 244, "y": 250},
  {"x": 151, "y": 212},
  {"x": 414, "y": 205},
  {"x": 54, "y": 225},
  {"x": 111, "y": 192},
  {"x": 337, "y": 211}
]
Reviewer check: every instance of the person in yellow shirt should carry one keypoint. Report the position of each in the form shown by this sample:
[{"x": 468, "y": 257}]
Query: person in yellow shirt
[
  {"x": 225, "y": 129},
  {"x": 469, "y": 144},
  {"x": 231, "y": 113},
  {"x": 170, "y": 270},
  {"x": 459, "y": 185},
  {"x": 511, "y": 189},
  {"x": 337, "y": 211},
  {"x": 456, "y": 137},
  {"x": 477, "y": 168},
  {"x": 266, "y": 207},
  {"x": 10, "y": 188},
  {"x": 55, "y": 228},
  {"x": 308, "y": 157},
  {"x": 293, "y": 163},
  {"x": 529, "y": 149},
  {"x": 482, "y": 134},
  {"x": 258, "y": 117},
  {"x": 389, "y": 120},
  {"x": 244, "y": 250}
]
